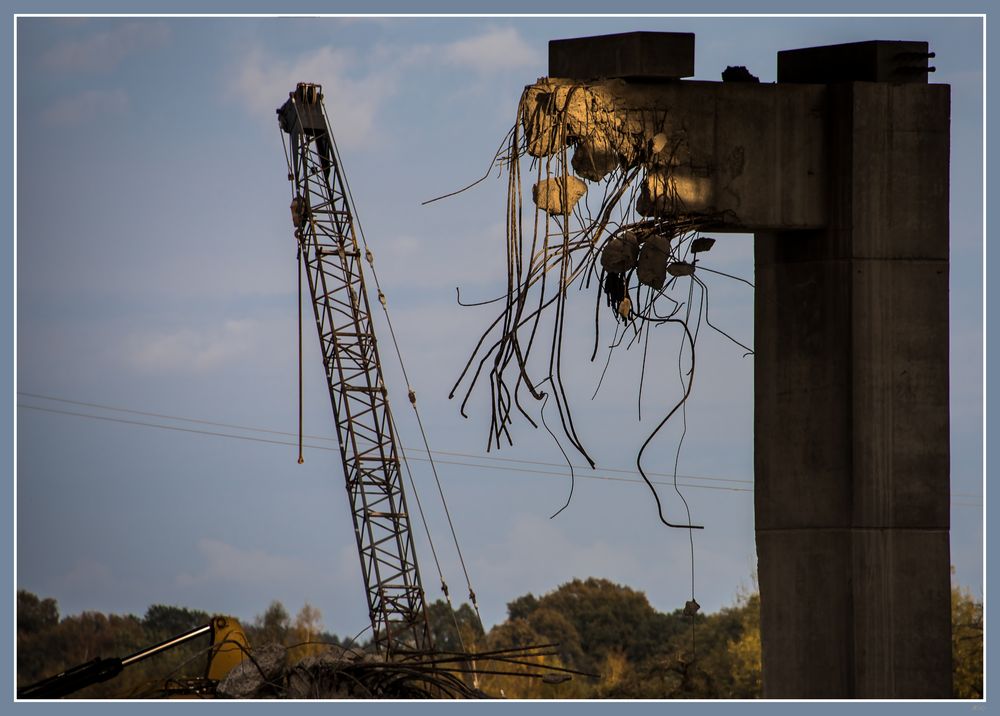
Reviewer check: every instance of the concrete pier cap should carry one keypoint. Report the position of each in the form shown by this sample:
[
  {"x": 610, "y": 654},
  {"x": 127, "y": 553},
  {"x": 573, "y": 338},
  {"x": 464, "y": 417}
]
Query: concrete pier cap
[
  {"x": 628, "y": 55},
  {"x": 840, "y": 169}
]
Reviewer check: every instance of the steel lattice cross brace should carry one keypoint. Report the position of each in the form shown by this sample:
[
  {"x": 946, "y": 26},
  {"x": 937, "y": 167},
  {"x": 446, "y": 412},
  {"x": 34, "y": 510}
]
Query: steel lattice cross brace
[
  {"x": 321, "y": 212},
  {"x": 840, "y": 169}
]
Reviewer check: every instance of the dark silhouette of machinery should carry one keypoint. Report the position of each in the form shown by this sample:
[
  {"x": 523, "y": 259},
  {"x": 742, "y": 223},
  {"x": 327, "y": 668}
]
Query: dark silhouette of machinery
[{"x": 332, "y": 257}]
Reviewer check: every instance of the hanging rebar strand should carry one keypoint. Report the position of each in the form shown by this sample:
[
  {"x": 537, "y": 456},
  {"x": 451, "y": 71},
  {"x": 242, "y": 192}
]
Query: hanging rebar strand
[
  {"x": 544, "y": 303},
  {"x": 497, "y": 419},
  {"x": 684, "y": 397},
  {"x": 565, "y": 265},
  {"x": 704, "y": 287},
  {"x": 535, "y": 272},
  {"x": 566, "y": 250},
  {"x": 514, "y": 288},
  {"x": 572, "y": 472}
]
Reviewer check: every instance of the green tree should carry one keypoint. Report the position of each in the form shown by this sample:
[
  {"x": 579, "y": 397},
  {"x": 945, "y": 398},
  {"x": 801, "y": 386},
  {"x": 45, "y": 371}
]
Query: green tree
[
  {"x": 522, "y": 607},
  {"x": 272, "y": 626},
  {"x": 162, "y": 621},
  {"x": 966, "y": 645},
  {"x": 305, "y": 632},
  {"x": 745, "y": 651},
  {"x": 595, "y": 618},
  {"x": 35, "y": 615},
  {"x": 518, "y": 634},
  {"x": 443, "y": 620},
  {"x": 555, "y": 627}
]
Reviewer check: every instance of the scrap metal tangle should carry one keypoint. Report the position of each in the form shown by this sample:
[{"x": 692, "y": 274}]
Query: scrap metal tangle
[{"x": 637, "y": 244}]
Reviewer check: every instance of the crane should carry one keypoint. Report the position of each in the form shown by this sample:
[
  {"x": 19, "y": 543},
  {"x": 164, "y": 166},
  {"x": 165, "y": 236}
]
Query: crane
[{"x": 329, "y": 251}]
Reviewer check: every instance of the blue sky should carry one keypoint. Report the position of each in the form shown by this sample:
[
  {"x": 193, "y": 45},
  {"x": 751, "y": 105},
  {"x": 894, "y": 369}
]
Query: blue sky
[{"x": 156, "y": 272}]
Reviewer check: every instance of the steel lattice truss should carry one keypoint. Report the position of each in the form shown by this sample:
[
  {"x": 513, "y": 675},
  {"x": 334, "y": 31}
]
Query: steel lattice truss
[{"x": 325, "y": 232}]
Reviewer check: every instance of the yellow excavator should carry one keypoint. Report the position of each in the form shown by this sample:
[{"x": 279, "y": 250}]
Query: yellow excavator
[{"x": 228, "y": 649}]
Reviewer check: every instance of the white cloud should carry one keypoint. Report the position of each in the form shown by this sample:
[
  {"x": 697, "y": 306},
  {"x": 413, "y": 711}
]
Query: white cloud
[
  {"x": 537, "y": 554},
  {"x": 85, "y": 575},
  {"x": 407, "y": 261},
  {"x": 495, "y": 50},
  {"x": 104, "y": 51},
  {"x": 85, "y": 107},
  {"x": 194, "y": 351},
  {"x": 228, "y": 563},
  {"x": 225, "y": 562},
  {"x": 262, "y": 80},
  {"x": 355, "y": 92}
]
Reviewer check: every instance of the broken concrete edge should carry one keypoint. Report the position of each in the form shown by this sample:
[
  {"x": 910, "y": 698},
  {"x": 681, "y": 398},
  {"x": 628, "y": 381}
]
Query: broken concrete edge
[{"x": 707, "y": 159}]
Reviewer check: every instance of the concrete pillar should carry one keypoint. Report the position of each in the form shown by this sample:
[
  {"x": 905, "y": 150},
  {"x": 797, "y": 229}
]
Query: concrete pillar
[
  {"x": 841, "y": 170},
  {"x": 851, "y": 411}
]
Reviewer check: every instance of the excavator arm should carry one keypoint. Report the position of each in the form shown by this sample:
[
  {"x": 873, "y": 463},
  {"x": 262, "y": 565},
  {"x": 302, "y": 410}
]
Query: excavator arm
[{"x": 228, "y": 648}]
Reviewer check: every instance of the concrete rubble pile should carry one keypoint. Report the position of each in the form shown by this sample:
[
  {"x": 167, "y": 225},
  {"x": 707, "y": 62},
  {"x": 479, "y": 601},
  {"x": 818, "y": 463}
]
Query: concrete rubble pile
[{"x": 271, "y": 675}]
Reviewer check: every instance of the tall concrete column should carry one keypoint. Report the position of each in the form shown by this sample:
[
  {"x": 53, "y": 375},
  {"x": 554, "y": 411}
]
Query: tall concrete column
[
  {"x": 841, "y": 171},
  {"x": 851, "y": 407}
]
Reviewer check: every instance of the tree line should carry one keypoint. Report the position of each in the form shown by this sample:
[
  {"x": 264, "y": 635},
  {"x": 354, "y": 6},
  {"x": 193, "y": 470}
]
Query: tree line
[{"x": 607, "y": 630}]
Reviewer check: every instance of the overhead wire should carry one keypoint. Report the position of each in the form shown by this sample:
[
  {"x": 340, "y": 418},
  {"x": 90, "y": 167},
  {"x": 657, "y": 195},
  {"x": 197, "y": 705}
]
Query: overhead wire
[
  {"x": 215, "y": 423},
  {"x": 337, "y": 450},
  {"x": 430, "y": 541},
  {"x": 410, "y": 453},
  {"x": 587, "y": 476}
]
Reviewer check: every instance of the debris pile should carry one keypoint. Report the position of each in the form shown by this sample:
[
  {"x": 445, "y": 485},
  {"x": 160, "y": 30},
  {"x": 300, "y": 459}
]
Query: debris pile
[{"x": 337, "y": 673}]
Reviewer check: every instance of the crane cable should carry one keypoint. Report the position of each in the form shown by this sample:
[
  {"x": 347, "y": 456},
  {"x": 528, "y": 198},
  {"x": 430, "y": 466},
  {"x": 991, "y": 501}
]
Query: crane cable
[
  {"x": 299, "y": 239},
  {"x": 300, "y": 260},
  {"x": 298, "y": 257},
  {"x": 410, "y": 391},
  {"x": 427, "y": 531},
  {"x": 444, "y": 585}
]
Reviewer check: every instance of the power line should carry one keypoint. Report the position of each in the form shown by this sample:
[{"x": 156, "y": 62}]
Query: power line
[
  {"x": 327, "y": 439},
  {"x": 329, "y": 449},
  {"x": 410, "y": 451},
  {"x": 412, "y": 455}
]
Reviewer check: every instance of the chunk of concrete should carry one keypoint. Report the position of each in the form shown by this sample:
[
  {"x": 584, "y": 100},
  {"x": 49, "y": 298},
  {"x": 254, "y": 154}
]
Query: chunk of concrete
[
  {"x": 559, "y": 195},
  {"x": 620, "y": 253},
  {"x": 264, "y": 667},
  {"x": 651, "y": 268},
  {"x": 680, "y": 268},
  {"x": 320, "y": 676},
  {"x": 595, "y": 157}
]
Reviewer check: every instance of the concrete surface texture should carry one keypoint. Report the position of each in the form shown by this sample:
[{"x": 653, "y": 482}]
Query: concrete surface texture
[
  {"x": 844, "y": 182},
  {"x": 851, "y": 406},
  {"x": 754, "y": 154}
]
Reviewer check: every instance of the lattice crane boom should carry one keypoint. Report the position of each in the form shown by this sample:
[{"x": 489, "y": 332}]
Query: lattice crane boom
[{"x": 325, "y": 233}]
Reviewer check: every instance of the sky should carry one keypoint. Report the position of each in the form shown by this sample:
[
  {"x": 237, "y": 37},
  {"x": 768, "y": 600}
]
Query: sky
[{"x": 156, "y": 274}]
